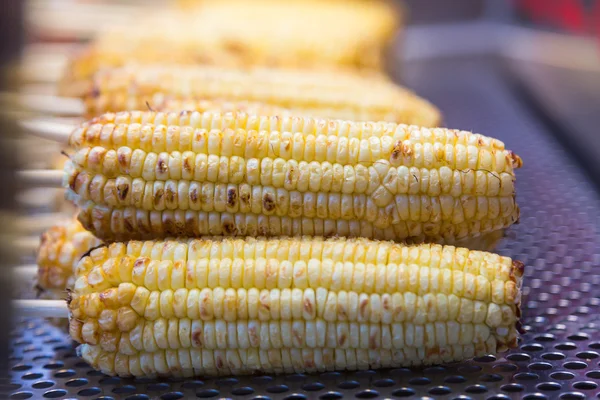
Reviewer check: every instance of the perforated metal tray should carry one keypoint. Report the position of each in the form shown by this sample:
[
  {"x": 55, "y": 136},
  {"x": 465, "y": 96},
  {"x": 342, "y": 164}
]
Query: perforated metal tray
[{"x": 557, "y": 239}]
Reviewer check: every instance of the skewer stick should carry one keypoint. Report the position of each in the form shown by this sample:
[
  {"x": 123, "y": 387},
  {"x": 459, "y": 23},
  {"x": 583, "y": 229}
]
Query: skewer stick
[
  {"x": 41, "y": 177},
  {"x": 49, "y": 104},
  {"x": 50, "y": 130},
  {"x": 40, "y": 222},
  {"x": 41, "y": 308},
  {"x": 25, "y": 274},
  {"x": 27, "y": 245}
]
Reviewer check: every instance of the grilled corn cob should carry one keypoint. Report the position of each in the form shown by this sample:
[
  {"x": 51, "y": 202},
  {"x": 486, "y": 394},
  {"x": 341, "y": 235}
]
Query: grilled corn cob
[
  {"x": 310, "y": 34},
  {"x": 145, "y": 175},
  {"x": 239, "y": 306},
  {"x": 60, "y": 249},
  {"x": 318, "y": 94}
]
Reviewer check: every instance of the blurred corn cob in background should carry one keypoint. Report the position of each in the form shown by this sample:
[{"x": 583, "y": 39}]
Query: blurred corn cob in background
[
  {"x": 146, "y": 175},
  {"x": 310, "y": 93},
  {"x": 314, "y": 34},
  {"x": 61, "y": 248},
  {"x": 225, "y": 306}
]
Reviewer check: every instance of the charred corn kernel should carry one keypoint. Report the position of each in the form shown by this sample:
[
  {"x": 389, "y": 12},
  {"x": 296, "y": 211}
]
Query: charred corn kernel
[
  {"x": 429, "y": 303},
  {"x": 315, "y": 34},
  {"x": 268, "y": 91},
  {"x": 235, "y": 174},
  {"x": 60, "y": 249}
]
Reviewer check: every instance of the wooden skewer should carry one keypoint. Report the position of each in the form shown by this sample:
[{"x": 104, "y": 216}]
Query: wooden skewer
[
  {"x": 25, "y": 274},
  {"x": 40, "y": 222},
  {"x": 41, "y": 308},
  {"x": 41, "y": 177},
  {"x": 49, "y": 104},
  {"x": 27, "y": 245},
  {"x": 50, "y": 130}
]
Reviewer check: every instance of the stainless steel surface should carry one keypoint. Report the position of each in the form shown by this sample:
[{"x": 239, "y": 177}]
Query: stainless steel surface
[{"x": 557, "y": 239}]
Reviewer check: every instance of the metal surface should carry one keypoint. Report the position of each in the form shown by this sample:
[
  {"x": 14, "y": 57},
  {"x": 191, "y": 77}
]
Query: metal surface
[{"x": 557, "y": 238}]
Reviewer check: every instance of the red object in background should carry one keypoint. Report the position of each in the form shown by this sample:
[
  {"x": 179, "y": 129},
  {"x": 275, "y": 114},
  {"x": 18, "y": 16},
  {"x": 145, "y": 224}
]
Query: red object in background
[{"x": 579, "y": 16}]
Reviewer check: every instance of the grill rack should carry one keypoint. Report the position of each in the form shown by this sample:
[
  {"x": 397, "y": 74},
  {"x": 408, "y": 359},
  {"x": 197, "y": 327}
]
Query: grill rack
[{"x": 557, "y": 239}]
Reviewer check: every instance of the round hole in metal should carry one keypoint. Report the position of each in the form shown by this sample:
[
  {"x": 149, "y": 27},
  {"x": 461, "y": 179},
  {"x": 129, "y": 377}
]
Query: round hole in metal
[
  {"x": 242, "y": 391},
  {"x": 31, "y": 376},
  {"x": 55, "y": 393},
  {"x": 313, "y": 387},
  {"x": 455, "y": 379},
  {"x": 384, "y": 383},
  {"x": 21, "y": 395},
  {"x": 76, "y": 382},
  {"x": 420, "y": 381},
  {"x": 572, "y": 396},
  {"x": 158, "y": 387},
  {"x": 403, "y": 392},
  {"x": 562, "y": 375},
  {"x": 548, "y": 386},
  {"x": 540, "y": 366},
  {"x": 172, "y": 396},
  {"x": 89, "y": 391},
  {"x": 485, "y": 359},
  {"x": 566, "y": 346},
  {"x": 331, "y": 396},
  {"x": 137, "y": 397},
  {"x": 526, "y": 376},
  {"x": 532, "y": 347},
  {"x": 593, "y": 374},
  {"x": 64, "y": 373},
  {"x": 348, "y": 385},
  {"x": 295, "y": 396},
  {"x": 207, "y": 393},
  {"x": 440, "y": 390},
  {"x": 330, "y": 375},
  {"x": 545, "y": 337},
  {"x": 278, "y": 389},
  {"x": 585, "y": 385},
  {"x": 42, "y": 384},
  {"x": 226, "y": 382},
  {"x": 54, "y": 365},
  {"x": 579, "y": 336},
  {"x": 518, "y": 357},
  {"x": 587, "y": 355},
  {"x": 534, "y": 396},
  {"x": 512, "y": 388},
  {"x": 553, "y": 356},
  {"x": 476, "y": 389},
  {"x": 367, "y": 394},
  {"x": 575, "y": 365}
]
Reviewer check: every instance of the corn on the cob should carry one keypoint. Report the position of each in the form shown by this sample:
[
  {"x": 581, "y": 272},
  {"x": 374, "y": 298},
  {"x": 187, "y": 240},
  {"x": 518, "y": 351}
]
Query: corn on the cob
[
  {"x": 313, "y": 34},
  {"x": 223, "y": 306},
  {"x": 317, "y": 94},
  {"x": 60, "y": 249},
  {"x": 144, "y": 175}
]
